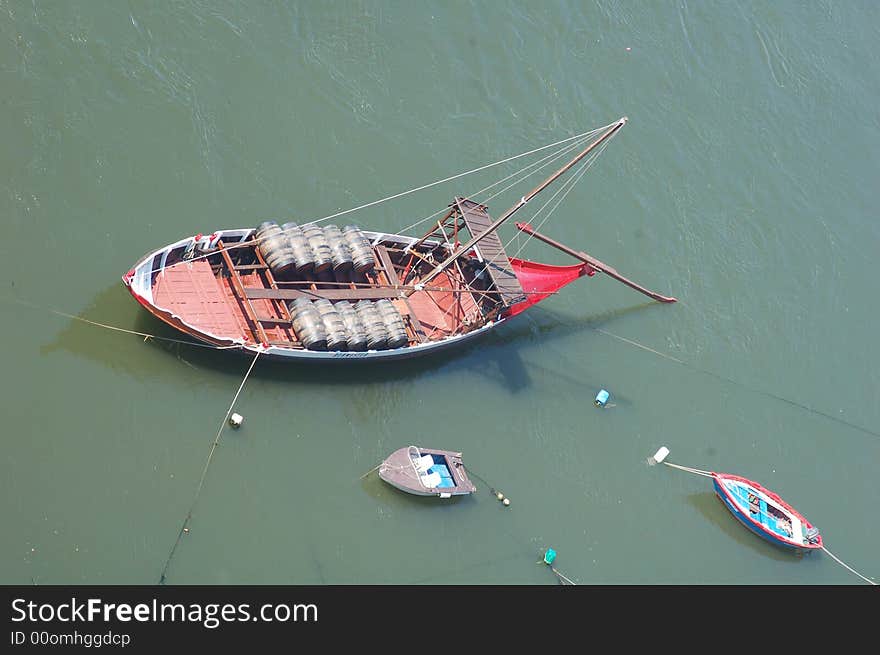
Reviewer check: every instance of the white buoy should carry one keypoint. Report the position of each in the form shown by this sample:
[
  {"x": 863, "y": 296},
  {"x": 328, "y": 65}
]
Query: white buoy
[
  {"x": 506, "y": 502},
  {"x": 659, "y": 456},
  {"x": 235, "y": 420},
  {"x": 499, "y": 496}
]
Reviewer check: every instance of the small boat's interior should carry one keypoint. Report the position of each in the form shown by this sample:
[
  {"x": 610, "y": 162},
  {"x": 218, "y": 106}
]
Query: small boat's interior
[
  {"x": 426, "y": 472},
  {"x": 762, "y": 510},
  {"x": 433, "y": 470}
]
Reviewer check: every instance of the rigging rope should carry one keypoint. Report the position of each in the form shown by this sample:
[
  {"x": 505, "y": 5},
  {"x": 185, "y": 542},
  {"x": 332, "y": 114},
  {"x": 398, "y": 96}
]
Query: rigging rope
[
  {"x": 568, "y": 186},
  {"x": 458, "y": 175},
  {"x": 577, "y": 139},
  {"x": 184, "y": 527},
  {"x": 565, "y": 188},
  {"x": 544, "y": 161},
  {"x": 548, "y": 160},
  {"x": 551, "y": 157}
]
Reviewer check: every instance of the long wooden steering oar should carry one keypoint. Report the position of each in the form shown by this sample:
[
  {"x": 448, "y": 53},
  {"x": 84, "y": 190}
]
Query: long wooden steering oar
[{"x": 593, "y": 263}]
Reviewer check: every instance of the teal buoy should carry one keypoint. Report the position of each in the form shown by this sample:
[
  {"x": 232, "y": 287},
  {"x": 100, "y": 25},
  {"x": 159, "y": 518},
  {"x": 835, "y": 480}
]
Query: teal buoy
[
  {"x": 549, "y": 556},
  {"x": 602, "y": 398}
]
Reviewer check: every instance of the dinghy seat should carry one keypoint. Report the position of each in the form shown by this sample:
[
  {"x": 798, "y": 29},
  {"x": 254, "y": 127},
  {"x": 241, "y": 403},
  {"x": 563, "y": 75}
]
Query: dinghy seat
[
  {"x": 431, "y": 480},
  {"x": 423, "y": 463}
]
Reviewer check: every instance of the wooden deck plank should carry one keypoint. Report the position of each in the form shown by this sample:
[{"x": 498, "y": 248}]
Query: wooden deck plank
[
  {"x": 492, "y": 251},
  {"x": 283, "y": 313},
  {"x": 436, "y": 308},
  {"x": 190, "y": 290},
  {"x": 393, "y": 279},
  {"x": 330, "y": 294},
  {"x": 242, "y": 297}
]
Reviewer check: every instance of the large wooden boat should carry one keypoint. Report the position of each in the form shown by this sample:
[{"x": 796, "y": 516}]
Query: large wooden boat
[{"x": 309, "y": 292}]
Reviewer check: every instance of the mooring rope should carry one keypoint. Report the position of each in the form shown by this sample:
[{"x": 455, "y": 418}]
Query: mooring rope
[
  {"x": 185, "y": 526},
  {"x": 119, "y": 329},
  {"x": 639, "y": 345},
  {"x": 761, "y": 392},
  {"x": 491, "y": 489},
  {"x": 690, "y": 470},
  {"x": 568, "y": 580},
  {"x": 849, "y": 568}
]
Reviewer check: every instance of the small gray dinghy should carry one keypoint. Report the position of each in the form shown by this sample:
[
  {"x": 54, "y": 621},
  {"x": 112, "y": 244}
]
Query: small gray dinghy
[{"x": 426, "y": 472}]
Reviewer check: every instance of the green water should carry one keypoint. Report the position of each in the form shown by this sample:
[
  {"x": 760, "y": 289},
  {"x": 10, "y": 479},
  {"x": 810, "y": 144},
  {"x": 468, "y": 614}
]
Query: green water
[{"x": 744, "y": 184}]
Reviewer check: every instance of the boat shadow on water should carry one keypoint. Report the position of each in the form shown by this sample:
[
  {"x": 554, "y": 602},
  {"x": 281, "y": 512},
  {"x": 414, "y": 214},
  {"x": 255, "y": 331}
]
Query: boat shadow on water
[
  {"x": 714, "y": 511},
  {"x": 496, "y": 356}
]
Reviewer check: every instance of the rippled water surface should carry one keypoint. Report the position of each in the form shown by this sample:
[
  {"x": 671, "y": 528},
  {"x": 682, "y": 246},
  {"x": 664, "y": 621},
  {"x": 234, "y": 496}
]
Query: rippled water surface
[{"x": 744, "y": 184}]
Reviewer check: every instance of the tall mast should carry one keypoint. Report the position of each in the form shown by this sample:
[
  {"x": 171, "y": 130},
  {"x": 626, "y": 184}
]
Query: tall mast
[{"x": 510, "y": 212}]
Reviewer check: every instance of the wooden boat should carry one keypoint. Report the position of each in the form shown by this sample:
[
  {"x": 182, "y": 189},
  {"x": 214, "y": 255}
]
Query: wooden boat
[
  {"x": 305, "y": 292},
  {"x": 765, "y": 513},
  {"x": 759, "y": 509},
  {"x": 426, "y": 472}
]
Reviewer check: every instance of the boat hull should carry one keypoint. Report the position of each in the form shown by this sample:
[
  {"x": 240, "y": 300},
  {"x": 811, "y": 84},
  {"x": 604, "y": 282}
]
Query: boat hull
[
  {"x": 287, "y": 354},
  {"x": 541, "y": 280},
  {"x": 425, "y": 492},
  {"x": 400, "y": 470},
  {"x": 735, "y": 507},
  {"x": 290, "y": 355}
]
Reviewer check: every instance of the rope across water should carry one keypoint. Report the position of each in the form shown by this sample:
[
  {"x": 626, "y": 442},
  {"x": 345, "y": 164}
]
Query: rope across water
[
  {"x": 847, "y": 567},
  {"x": 184, "y": 527},
  {"x": 572, "y": 143}
]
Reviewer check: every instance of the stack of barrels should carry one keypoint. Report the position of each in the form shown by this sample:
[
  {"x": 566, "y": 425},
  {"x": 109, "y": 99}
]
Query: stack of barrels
[
  {"x": 311, "y": 251},
  {"x": 365, "y": 325},
  {"x": 292, "y": 250}
]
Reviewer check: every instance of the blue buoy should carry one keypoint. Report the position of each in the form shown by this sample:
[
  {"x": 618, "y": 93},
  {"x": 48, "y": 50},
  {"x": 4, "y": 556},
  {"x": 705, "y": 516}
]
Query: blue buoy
[
  {"x": 602, "y": 398},
  {"x": 549, "y": 556}
]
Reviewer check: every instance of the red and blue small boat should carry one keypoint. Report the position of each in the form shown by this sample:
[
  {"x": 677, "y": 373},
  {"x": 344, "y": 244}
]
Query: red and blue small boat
[
  {"x": 762, "y": 511},
  {"x": 765, "y": 513}
]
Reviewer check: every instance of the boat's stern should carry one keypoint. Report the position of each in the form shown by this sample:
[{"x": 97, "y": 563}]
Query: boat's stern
[{"x": 539, "y": 281}]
